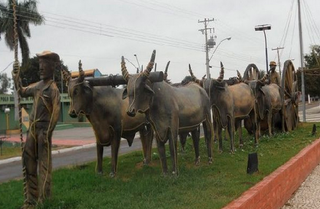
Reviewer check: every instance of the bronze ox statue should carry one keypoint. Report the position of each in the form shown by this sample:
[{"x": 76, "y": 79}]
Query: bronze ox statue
[
  {"x": 170, "y": 110},
  {"x": 272, "y": 97},
  {"x": 106, "y": 110},
  {"x": 195, "y": 133},
  {"x": 230, "y": 105},
  {"x": 268, "y": 102}
]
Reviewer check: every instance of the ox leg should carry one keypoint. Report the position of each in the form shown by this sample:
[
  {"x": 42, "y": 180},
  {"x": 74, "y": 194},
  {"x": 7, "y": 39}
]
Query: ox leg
[
  {"x": 173, "y": 134},
  {"x": 255, "y": 127},
  {"x": 146, "y": 136},
  {"x": 99, "y": 158},
  {"x": 183, "y": 140},
  {"x": 207, "y": 128},
  {"x": 162, "y": 154},
  {"x": 195, "y": 138},
  {"x": 238, "y": 126},
  {"x": 115, "y": 144},
  {"x": 270, "y": 122},
  {"x": 231, "y": 134},
  {"x": 219, "y": 132},
  {"x": 215, "y": 129}
]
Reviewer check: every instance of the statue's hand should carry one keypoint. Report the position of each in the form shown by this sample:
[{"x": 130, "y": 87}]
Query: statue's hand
[{"x": 15, "y": 71}]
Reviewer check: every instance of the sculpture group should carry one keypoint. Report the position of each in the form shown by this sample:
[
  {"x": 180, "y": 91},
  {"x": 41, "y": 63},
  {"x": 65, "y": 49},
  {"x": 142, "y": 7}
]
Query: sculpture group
[
  {"x": 151, "y": 105},
  {"x": 166, "y": 110}
]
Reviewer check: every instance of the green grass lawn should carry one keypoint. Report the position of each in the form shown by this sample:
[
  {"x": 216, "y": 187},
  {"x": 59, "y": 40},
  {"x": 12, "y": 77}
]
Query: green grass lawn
[
  {"x": 137, "y": 186},
  {"x": 13, "y": 149},
  {"x": 9, "y": 149}
]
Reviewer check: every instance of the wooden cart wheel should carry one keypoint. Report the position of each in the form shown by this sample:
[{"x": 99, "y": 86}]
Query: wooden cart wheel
[
  {"x": 251, "y": 73},
  {"x": 289, "y": 92}
]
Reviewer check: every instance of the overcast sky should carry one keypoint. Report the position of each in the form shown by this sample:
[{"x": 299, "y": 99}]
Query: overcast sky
[{"x": 100, "y": 32}]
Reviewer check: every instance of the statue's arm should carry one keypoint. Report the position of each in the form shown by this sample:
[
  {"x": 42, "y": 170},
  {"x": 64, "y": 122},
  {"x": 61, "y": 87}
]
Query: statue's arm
[
  {"x": 24, "y": 91},
  {"x": 55, "y": 108}
]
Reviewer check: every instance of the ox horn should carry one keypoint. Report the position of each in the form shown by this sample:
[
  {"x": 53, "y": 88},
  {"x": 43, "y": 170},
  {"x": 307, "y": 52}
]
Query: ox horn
[
  {"x": 165, "y": 76},
  {"x": 239, "y": 76},
  {"x": 191, "y": 73},
  {"x": 147, "y": 71},
  {"x": 194, "y": 78},
  {"x": 81, "y": 72},
  {"x": 221, "y": 72},
  {"x": 66, "y": 75},
  {"x": 124, "y": 70}
]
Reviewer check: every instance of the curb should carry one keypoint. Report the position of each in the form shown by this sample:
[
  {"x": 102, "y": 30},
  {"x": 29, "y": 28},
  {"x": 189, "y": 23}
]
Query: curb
[
  {"x": 55, "y": 152},
  {"x": 276, "y": 189}
]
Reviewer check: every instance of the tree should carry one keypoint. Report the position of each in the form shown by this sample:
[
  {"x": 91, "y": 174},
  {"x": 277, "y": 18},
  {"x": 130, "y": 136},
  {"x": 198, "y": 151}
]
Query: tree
[
  {"x": 26, "y": 14},
  {"x": 312, "y": 72},
  {"x": 5, "y": 83}
]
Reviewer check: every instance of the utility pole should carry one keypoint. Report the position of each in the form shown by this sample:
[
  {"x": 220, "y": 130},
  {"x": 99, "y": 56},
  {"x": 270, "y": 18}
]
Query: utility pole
[
  {"x": 302, "y": 64},
  {"x": 206, "y": 22},
  {"x": 278, "y": 48}
]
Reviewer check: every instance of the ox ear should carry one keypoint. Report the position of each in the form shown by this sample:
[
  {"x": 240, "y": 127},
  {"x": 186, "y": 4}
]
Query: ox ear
[
  {"x": 125, "y": 93},
  {"x": 148, "y": 89}
]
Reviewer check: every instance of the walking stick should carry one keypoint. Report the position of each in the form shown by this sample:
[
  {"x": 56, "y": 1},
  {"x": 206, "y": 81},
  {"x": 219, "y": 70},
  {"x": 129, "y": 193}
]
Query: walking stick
[{"x": 16, "y": 66}]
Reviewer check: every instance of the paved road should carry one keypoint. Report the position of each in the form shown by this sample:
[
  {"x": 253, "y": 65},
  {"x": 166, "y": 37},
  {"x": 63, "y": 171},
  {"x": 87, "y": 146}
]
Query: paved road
[{"x": 70, "y": 156}]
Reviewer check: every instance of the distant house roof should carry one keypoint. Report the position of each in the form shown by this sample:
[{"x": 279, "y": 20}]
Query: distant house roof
[{"x": 87, "y": 73}]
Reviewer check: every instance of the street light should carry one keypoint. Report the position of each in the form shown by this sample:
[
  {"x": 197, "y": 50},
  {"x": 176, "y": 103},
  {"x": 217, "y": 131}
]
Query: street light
[
  {"x": 229, "y": 38},
  {"x": 137, "y": 60},
  {"x": 264, "y": 28}
]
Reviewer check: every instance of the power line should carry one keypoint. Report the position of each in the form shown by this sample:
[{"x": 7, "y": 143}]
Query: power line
[
  {"x": 287, "y": 26},
  {"x": 313, "y": 24},
  {"x": 95, "y": 28},
  {"x": 121, "y": 33}
]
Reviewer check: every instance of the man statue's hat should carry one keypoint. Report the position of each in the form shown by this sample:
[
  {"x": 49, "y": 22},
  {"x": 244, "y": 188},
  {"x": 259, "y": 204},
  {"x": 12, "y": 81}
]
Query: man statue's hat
[
  {"x": 273, "y": 63},
  {"x": 49, "y": 55}
]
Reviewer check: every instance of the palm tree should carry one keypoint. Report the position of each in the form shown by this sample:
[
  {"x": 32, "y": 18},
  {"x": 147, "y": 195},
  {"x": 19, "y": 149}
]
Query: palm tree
[{"x": 26, "y": 13}]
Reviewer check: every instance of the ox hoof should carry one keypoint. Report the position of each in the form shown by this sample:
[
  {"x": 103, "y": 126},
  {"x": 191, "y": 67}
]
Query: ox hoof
[
  {"x": 197, "y": 161},
  {"x": 241, "y": 145},
  {"x": 145, "y": 162},
  {"x": 100, "y": 173},
  {"x": 164, "y": 173},
  {"x": 220, "y": 151},
  {"x": 112, "y": 174},
  {"x": 175, "y": 173},
  {"x": 210, "y": 160}
]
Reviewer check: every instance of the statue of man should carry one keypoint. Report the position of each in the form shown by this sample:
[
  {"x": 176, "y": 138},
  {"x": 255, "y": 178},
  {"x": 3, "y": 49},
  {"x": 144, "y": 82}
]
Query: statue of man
[
  {"x": 274, "y": 76},
  {"x": 43, "y": 119}
]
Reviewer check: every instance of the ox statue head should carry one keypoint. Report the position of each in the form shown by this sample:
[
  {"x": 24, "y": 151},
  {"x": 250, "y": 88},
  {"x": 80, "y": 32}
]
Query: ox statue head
[
  {"x": 138, "y": 88},
  {"x": 80, "y": 93},
  {"x": 218, "y": 84},
  {"x": 208, "y": 84}
]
